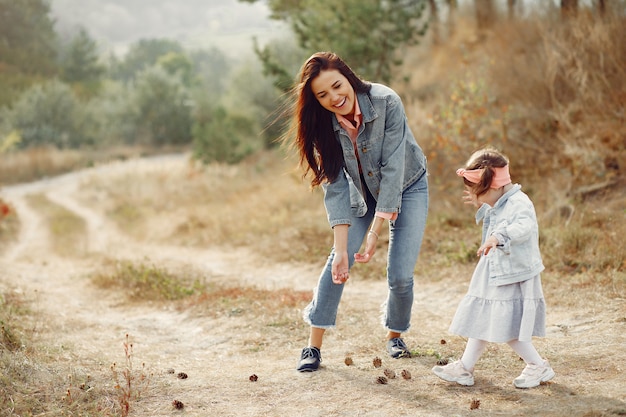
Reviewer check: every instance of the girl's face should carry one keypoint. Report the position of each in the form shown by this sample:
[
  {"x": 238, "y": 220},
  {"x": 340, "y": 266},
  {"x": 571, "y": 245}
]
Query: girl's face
[{"x": 334, "y": 92}]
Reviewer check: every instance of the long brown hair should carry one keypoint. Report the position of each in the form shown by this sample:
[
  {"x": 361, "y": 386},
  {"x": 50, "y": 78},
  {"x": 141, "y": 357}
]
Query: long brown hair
[{"x": 319, "y": 150}]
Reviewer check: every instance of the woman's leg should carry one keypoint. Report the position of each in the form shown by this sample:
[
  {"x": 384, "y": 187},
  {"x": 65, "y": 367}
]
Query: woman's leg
[
  {"x": 321, "y": 313},
  {"x": 405, "y": 239}
]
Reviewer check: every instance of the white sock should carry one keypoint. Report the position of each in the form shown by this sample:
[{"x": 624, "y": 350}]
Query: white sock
[
  {"x": 473, "y": 350},
  {"x": 527, "y": 351}
]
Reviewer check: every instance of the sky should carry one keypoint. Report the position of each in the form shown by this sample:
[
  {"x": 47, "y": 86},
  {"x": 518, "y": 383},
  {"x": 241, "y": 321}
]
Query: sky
[{"x": 227, "y": 24}]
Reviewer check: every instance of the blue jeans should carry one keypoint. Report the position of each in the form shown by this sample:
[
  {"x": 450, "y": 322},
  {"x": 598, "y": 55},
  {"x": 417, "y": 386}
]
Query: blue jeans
[{"x": 405, "y": 239}]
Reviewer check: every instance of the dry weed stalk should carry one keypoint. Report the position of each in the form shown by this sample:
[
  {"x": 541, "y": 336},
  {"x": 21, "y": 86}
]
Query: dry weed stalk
[{"x": 129, "y": 383}]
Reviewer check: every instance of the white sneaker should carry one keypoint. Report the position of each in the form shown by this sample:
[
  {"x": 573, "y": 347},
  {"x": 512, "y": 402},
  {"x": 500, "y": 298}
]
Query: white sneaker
[
  {"x": 533, "y": 375},
  {"x": 455, "y": 372}
]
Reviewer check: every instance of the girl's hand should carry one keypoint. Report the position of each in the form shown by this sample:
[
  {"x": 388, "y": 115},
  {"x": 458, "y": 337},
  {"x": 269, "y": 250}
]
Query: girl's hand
[
  {"x": 489, "y": 244},
  {"x": 470, "y": 198},
  {"x": 370, "y": 248},
  {"x": 340, "y": 267}
]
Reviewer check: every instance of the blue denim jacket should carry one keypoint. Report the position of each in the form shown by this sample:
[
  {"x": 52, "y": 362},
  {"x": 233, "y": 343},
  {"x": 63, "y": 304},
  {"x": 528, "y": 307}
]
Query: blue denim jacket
[
  {"x": 391, "y": 159},
  {"x": 514, "y": 222}
]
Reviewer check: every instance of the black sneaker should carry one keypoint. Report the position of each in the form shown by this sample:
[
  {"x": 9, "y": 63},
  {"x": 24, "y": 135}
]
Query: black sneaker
[
  {"x": 309, "y": 360},
  {"x": 397, "y": 348}
]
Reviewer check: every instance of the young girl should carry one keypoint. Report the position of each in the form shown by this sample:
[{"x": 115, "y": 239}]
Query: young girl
[
  {"x": 504, "y": 302},
  {"x": 354, "y": 138}
]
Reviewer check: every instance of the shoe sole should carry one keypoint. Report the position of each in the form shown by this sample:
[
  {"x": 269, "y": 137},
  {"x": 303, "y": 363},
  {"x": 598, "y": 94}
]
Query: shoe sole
[
  {"x": 464, "y": 382},
  {"x": 545, "y": 378}
]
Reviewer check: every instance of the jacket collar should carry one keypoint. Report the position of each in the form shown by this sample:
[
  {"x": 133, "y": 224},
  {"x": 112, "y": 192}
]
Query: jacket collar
[
  {"x": 367, "y": 110},
  {"x": 482, "y": 211}
]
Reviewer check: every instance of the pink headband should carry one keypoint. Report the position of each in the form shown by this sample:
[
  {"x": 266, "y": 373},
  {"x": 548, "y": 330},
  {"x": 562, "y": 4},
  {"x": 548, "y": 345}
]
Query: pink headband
[{"x": 500, "y": 179}]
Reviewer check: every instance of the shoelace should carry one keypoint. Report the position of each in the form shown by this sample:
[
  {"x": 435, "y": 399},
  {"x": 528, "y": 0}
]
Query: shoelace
[
  {"x": 398, "y": 344},
  {"x": 309, "y": 353}
]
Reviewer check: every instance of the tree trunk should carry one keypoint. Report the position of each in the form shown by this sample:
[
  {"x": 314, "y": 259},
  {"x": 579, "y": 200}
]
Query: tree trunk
[
  {"x": 452, "y": 9},
  {"x": 569, "y": 8},
  {"x": 485, "y": 13},
  {"x": 511, "y": 9},
  {"x": 434, "y": 22}
]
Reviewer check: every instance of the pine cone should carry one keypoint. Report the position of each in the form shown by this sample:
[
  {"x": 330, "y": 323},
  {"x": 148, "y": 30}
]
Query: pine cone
[
  {"x": 254, "y": 377},
  {"x": 381, "y": 380},
  {"x": 182, "y": 375},
  {"x": 348, "y": 361},
  {"x": 406, "y": 374},
  {"x": 474, "y": 404},
  {"x": 390, "y": 373},
  {"x": 178, "y": 405},
  {"x": 377, "y": 362}
]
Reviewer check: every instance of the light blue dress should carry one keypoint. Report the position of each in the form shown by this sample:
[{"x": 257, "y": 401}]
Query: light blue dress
[{"x": 500, "y": 313}]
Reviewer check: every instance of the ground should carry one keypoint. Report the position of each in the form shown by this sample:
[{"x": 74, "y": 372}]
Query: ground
[{"x": 85, "y": 327}]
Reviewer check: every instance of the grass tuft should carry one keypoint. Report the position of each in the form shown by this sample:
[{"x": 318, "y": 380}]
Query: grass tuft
[{"x": 148, "y": 282}]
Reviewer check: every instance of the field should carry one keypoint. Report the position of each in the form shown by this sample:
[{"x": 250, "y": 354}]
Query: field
[
  {"x": 163, "y": 300},
  {"x": 138, "y": 285}
]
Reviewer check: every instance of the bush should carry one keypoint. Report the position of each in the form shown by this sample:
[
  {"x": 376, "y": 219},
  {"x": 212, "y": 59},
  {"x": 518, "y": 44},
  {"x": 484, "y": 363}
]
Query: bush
[
  {"x": 161, "y": 108},
  {"x": 50, "y": 115},
  {"x": 223, "y": 137}
]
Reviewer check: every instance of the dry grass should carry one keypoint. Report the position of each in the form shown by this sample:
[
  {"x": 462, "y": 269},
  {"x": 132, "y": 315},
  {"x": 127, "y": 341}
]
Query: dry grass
[
  {"x": 9, "y": 224},
  {"x": 43, "y": 162},
  {"x": 68, "y": 231}
]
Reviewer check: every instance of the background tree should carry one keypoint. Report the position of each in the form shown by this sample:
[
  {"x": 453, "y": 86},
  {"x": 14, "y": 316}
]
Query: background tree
[
  {"x": 211, "y": 67},
  {"x": 49, "y": 114},
  {"x": 142, "y": 55},
  {"x": 220, "y": 136},
  {"x": 27, "y": 46},
  {"x": 80, "y": 64},
  {"x": 368, "y": 34},
  {"x": 161, "y": 108}
]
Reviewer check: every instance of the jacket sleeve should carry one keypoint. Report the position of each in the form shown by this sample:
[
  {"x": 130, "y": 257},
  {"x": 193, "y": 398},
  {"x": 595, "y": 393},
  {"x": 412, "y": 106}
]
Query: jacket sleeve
[{"x": 337, "y": 200}]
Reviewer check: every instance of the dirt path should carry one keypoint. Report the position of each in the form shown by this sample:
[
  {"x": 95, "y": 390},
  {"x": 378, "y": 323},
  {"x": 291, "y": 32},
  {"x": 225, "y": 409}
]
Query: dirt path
[{"x": 586, "y": 343}]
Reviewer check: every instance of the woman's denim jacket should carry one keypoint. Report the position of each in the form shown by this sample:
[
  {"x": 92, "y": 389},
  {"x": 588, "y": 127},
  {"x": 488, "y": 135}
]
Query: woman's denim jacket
[
  {"x": 391, "y": 159},
  {"x": 512, "y": 220}
]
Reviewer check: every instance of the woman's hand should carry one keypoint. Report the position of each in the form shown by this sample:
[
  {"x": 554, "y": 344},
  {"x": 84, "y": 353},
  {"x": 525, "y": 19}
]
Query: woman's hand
[
  {"x": 489, "y": 244},
  {"x": 340, "y": 267},
  {"x": 370, "y": 248}
]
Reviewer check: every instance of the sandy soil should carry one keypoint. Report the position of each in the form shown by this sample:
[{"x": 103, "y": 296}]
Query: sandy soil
[{"x": 586, "y": 341}]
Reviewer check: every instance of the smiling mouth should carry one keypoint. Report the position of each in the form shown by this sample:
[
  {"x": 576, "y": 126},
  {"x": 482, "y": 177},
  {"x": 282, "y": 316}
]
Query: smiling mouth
[{"x": 342, "y": 103}]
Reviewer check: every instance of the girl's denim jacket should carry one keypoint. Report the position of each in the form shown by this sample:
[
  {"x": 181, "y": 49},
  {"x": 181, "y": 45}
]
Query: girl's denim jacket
[
  {"x": 512, "y": 220},
  {"x": 391, "y": 159}
]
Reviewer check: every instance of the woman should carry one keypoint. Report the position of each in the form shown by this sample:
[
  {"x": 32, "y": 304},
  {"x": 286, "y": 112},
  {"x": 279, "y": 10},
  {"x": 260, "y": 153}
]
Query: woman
[{"x": 353, "y": 137}]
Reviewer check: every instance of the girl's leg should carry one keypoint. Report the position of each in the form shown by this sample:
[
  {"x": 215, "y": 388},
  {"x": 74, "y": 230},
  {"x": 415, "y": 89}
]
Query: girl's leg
[
  {"x": 473, "y": 351},
  {"x": 537, "y": 369},
  {"x": 405, "y": 239},
  {"x": 527, "y": 351}
]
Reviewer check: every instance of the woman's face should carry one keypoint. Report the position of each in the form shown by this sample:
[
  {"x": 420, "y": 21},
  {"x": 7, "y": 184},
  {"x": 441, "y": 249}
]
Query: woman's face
[{"x": 334, "y": 92}]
